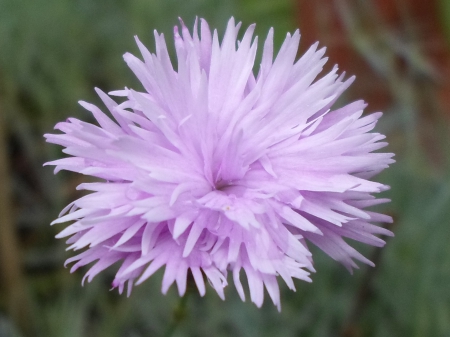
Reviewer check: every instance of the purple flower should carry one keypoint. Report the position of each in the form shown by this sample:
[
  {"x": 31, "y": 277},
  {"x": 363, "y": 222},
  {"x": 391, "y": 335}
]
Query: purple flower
[{"x": 212, "y": 169}]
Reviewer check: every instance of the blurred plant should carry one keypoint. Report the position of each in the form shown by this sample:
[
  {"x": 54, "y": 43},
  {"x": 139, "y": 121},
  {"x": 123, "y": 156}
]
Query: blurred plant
[{"x": 420, "y": 182}]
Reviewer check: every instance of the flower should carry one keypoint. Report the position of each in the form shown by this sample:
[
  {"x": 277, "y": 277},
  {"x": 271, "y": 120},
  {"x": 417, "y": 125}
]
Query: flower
[{"x": 212, "y": 169}]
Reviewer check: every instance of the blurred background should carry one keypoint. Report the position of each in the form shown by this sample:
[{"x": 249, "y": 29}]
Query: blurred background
[{"x": 54, "y": 52}]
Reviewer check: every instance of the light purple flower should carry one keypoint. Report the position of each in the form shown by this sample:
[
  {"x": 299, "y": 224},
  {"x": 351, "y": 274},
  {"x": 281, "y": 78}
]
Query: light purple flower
[{"x": 214, "y": 170}]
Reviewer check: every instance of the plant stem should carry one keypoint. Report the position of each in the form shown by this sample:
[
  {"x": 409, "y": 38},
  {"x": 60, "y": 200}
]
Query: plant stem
[
  {"x": 14, "y": 288},
  {"x": 178, "y": 315}
]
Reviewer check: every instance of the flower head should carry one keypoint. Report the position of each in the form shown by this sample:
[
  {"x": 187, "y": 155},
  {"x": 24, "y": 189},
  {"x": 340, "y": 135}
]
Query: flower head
[{"x": 212, "y": 169}]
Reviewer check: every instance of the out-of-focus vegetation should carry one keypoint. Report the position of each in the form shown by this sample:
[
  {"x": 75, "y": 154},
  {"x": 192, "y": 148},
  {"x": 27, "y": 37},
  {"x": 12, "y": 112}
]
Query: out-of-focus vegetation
[{"x": 54, "y": 52}]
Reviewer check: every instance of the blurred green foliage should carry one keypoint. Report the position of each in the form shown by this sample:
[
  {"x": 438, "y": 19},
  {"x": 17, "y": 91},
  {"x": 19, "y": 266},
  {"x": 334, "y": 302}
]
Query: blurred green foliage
[{"x": 54, "y": 52}]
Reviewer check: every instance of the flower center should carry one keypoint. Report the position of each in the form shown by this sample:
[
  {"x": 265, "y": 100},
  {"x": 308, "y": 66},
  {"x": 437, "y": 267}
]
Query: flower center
[{"x": 231, "y": 188}]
